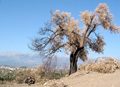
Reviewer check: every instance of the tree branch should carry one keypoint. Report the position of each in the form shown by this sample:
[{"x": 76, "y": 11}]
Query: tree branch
[
  {"x": 89, "y": 24},
  {"x": 54, "y": 50},
  {"x": 92, "y": 30}
]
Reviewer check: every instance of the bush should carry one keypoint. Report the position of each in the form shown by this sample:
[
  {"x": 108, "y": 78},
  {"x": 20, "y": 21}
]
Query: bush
[
  {"x": 57, "y": 75},
  {"x": 42, "y": 74},
  {"x": 19, "y": 80},
  {"x": 102, "y": 65},
  {"x": 8, "y": 77},
  {"x": 52, "y": 75},
  {"x": 20, "y": 76},
  {"x": 1, "y": 78}
]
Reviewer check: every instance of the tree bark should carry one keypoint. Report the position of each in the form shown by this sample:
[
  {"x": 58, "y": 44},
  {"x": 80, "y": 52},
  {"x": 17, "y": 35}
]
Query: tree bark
[
  {"x": 74, "y": 59},
  {"x": 73, "y": 64}
]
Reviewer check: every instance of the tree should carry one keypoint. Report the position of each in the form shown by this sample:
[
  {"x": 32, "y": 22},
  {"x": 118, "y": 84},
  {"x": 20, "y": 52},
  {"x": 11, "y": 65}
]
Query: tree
[
  {"x": 64, "y": 34},
  {"x": 49, "y": 64}
]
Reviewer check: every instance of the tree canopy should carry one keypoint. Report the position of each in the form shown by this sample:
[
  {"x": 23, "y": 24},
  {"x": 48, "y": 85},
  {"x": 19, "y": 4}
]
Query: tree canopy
[{"x": 64, "y": 33}]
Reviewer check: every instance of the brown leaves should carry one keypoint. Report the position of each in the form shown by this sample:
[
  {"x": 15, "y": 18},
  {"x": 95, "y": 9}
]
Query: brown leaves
[
  {"x": 96, "y": 44},
  {"x": 83, "y": 55},
  {"x": 103, "y": 65},
  {"x": 64, "y": 32},
  {"x": 86, "y": 17},
  {"x": 105, "y": 18},
  {"x": 114, "y": 29}
]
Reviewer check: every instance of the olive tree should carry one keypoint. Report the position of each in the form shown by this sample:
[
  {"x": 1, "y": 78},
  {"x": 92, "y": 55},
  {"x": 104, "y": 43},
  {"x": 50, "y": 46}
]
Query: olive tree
[{"x": 63, "y": 33}]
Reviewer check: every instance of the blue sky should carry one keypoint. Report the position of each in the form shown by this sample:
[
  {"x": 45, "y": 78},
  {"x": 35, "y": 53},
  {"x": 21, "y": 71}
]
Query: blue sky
[{"x": 20, "y": 21}]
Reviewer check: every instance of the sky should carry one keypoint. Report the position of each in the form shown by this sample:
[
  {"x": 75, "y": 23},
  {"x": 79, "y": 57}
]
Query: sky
[{"x": 20, "y": 20}]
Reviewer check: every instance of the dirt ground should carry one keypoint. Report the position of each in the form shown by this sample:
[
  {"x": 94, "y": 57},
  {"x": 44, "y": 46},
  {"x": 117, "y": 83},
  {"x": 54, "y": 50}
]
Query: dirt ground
[
  {"x": 20, "y": 85},
  {"x": 79, "y": 79}
]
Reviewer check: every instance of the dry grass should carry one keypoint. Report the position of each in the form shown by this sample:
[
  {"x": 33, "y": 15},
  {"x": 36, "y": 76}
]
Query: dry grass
[
  {"x": 47, "y": 84},
  {"x": 102, "y": 65},
  {"x": 20, "y": 85}
]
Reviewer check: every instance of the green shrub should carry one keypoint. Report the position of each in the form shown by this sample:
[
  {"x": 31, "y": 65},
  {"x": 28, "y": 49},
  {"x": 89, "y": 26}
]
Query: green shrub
[
  {"x": 8, "y": 77},
  {"x": 57, "y": 75},
  {"x": 1, "y": 78}
]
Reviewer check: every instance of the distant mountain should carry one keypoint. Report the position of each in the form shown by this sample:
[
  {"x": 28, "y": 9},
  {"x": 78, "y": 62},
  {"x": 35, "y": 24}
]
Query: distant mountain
[
  {"x": 26, "y": 59},
  {"x": 19, "y": 59}
]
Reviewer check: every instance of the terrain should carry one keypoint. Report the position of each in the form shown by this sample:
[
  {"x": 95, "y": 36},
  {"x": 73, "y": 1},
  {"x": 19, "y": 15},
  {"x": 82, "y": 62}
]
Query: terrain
[{"x": 79, "y": 79}]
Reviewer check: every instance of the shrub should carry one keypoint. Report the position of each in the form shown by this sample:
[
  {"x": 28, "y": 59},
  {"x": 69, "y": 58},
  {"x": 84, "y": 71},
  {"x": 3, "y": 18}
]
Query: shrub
[
  {"x": 102, "y": 65},
  {"x": 20, "y": 76},
  {"x": 8, "y": 77},
  {"x": 1, "y": 78},
  {"x": 57, "y": 75}
]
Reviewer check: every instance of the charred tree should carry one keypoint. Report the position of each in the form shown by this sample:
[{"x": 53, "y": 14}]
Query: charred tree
[{"x": 64, "y": 34}]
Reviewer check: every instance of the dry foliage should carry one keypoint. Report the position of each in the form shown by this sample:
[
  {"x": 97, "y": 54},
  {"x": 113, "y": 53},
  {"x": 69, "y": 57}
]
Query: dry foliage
[
  {"x": 22, "y": 75},
  {"x": 63, "y": 33},
  {"x": 102, "y": 65}
]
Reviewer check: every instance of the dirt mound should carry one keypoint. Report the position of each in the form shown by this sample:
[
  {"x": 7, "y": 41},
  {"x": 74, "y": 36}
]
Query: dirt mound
[
  {"x": 82, "y": 79},
  {"x": 105, "y": 72}
]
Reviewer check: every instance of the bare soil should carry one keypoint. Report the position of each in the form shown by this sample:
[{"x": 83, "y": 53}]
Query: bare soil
[{"x": 79, "y": 79}]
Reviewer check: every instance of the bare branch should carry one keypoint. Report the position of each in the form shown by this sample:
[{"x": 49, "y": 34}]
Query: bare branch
[{"x": 92, "y": 30}]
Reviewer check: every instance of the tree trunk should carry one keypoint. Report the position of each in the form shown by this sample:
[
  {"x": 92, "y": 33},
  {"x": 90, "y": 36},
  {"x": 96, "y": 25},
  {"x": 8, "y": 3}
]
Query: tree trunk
[
  {"x": 74, "y": 59},
  {"x": 73, "y": 64}
]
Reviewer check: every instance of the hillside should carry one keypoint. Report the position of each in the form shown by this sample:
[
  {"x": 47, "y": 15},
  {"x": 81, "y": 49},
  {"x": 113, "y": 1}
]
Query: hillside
[
  {"x": 93, "y": 79},
  {"x": 79, "y": 79}
]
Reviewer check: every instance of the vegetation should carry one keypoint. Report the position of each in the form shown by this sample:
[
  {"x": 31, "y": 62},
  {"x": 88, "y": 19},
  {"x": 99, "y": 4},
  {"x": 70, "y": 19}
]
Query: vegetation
[
  {"x": 40, "y": 75},
  {"x": 102, "y": 65},
  {"x": 48, "y": 71},
  {"x": 45, "y": 73},
  {"x": 7, "y": 76},
  {"x": 63, "y": 33}
]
